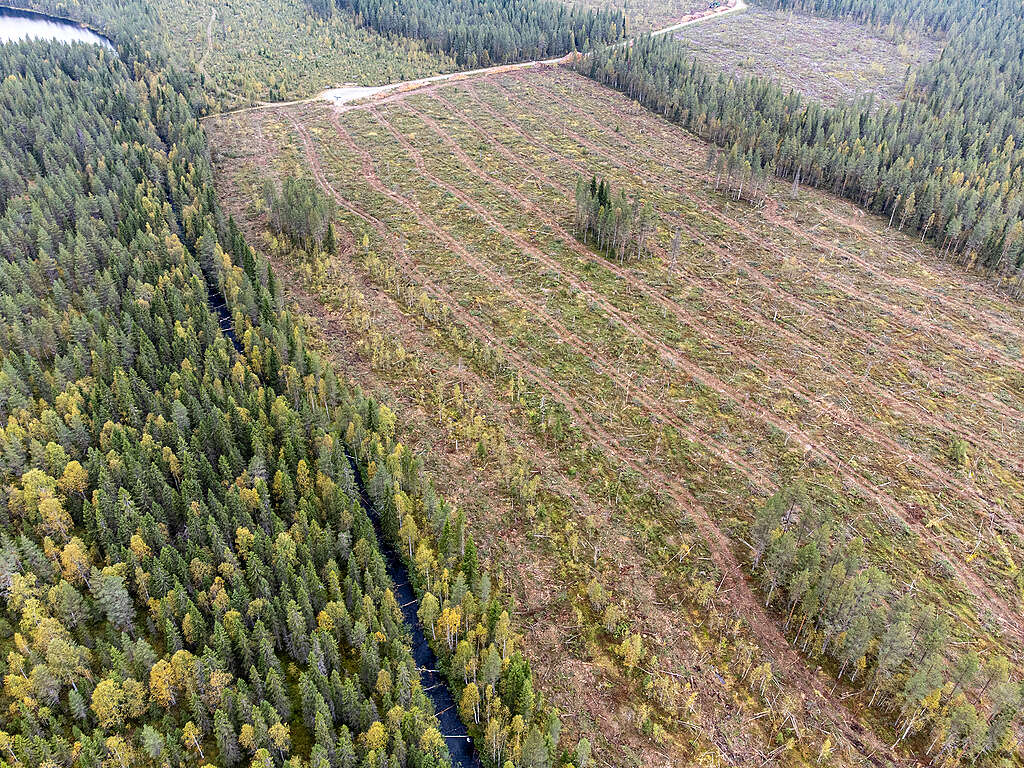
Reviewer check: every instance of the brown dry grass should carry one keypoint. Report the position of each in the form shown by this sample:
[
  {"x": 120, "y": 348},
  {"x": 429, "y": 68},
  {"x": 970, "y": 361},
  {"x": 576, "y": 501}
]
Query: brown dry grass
[{"x": 647, "y": 15}]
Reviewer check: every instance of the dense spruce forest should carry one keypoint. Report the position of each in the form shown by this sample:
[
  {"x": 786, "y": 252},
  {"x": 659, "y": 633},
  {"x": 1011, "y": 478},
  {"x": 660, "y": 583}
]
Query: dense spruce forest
[
  {"x": 187, "y": 574},
  {"x": 480, "y": 33},
  {"x": 945, "y": 163}
]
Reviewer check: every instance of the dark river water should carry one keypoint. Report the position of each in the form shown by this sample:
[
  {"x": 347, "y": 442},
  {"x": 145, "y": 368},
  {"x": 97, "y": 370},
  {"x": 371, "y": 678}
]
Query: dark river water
[
  {"x": 17, "y": 24},
  {"x": 460, "y": 746}
]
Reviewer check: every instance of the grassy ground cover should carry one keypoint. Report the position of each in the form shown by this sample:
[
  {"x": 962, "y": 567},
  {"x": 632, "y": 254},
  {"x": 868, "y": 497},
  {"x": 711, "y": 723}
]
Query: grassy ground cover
[
  {"x": 610, "y": 427},
  {"x": 250, "y": 51},
  {"x": 647, "y": 15},
  {"x": 825, "y": 59}
]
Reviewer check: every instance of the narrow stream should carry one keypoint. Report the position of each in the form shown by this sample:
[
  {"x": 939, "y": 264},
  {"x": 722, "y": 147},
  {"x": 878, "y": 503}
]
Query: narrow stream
[
  {"x": 460, "y": 746},
  {"x": 18, "y": 24},
  {"x": 219, "y": 306}
]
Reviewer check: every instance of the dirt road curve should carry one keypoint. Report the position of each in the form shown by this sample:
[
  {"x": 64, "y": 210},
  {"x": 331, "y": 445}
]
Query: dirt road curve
[{"x": 347, "y": 96}]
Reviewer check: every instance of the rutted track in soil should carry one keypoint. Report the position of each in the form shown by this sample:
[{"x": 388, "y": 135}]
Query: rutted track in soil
[
  {"x": 940, "y": 302},
  {"x": 708, "y": 337},
  {"x": 762, "y": 625},
  {"x": 959, "y": 342},
  {"x": 865, "y": 299},
  {"x": 931, "y": 420},
  {"x": 723, "y": 453},
  {"x": 980, "y": 589},
  {"x": 666, "y": 625},
  {"x": 762, "y": 280},
  {"x": 996, "y": 604},
  {"x": 994, "y": 316},
  {"x": 993, "y": 449},
  {"x": 937, "y": 474},
  {"x": 604, "y": 366}
]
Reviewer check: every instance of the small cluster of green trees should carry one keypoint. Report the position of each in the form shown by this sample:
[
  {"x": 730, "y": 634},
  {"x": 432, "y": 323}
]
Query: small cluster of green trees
[
  {"x": 479, "y": 33},
  {"x": 611, "y": 221},
  {"x": 735, "y": 173},
  {"x": 947, "y": 162},
  {"x": 301, "y": 212},
  {"x": 882, "y": 637}
]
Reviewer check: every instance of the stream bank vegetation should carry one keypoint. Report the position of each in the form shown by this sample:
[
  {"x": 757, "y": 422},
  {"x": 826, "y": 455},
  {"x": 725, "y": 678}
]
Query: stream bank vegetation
[{"x": 186, "y": 574}]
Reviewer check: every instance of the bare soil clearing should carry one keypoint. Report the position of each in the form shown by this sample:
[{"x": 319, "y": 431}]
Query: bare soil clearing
[
  {"x": 795, "y": 341},
  {"x": 824, "y": 59}
]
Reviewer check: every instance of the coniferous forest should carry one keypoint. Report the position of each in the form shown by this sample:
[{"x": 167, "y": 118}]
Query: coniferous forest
[
  {"x": 188, "y": 576},
  {"x": 611, "y": 221},
  {"x": 945, "y": 163},
  {"x": 479, "y": 33},
  {"x": 880, "y": 635}
]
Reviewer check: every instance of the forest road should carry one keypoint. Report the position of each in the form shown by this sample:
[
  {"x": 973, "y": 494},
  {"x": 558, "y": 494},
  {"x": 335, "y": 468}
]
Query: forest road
[
  {"x": 347, "y": 96},
  {"x": 354, "y": 96}
]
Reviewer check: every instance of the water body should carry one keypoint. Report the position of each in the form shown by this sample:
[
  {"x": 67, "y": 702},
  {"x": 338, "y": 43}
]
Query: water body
[
  {"x": 18, "y": 24},
  {"x": 219, "y": 306},
  {"x": 460, "y": 746}
]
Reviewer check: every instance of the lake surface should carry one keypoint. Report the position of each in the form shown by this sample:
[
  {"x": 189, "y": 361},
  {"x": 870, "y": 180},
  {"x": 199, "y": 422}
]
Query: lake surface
[{"x": 16, "y": 24}]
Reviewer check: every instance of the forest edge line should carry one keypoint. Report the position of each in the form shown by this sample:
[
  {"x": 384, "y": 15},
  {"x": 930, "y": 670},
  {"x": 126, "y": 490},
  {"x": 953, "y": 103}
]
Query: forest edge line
[{"x": 353, "y": 96}]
